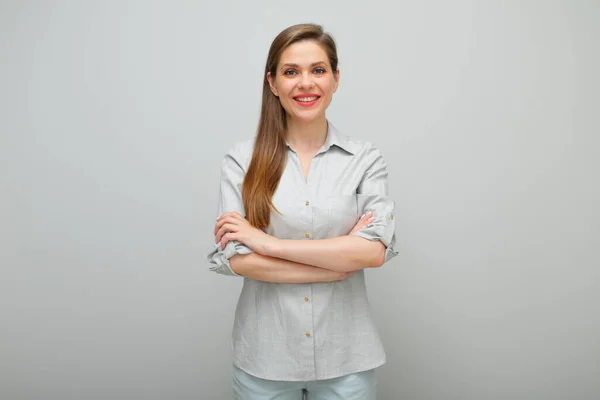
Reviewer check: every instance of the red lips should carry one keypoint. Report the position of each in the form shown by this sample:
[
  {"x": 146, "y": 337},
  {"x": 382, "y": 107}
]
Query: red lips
[
  {"x": 306, "y": 103},
  {"x": 305, "y": 95}
]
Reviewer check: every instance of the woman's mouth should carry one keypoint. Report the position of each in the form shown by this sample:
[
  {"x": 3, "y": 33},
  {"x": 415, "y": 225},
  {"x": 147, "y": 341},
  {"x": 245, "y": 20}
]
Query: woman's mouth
[{"x": 306, "y": 100}]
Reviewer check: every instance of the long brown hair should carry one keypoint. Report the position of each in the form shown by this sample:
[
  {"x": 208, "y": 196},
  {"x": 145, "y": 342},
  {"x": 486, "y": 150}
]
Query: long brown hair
[{"x": 270, "y": 154}]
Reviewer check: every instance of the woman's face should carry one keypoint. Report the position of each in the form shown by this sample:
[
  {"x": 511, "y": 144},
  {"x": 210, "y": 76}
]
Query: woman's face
[{"x": 304, "y": 81}]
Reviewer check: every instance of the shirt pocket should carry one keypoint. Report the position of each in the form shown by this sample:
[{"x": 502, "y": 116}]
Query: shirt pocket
[{"x": 342, "y": 211}]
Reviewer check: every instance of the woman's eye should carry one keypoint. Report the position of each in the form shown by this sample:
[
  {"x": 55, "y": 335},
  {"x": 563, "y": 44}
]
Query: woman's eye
[
  {"x": 290, "y": 72},
  {"x": 320, "y": 70}
]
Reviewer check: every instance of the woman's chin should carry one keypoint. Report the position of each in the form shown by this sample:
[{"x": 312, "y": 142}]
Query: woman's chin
[{"x": 306, "y": 118}]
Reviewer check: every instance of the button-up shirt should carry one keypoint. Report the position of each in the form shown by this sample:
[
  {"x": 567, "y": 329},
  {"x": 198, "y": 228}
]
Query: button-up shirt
[{"x": 310, "y": 331}]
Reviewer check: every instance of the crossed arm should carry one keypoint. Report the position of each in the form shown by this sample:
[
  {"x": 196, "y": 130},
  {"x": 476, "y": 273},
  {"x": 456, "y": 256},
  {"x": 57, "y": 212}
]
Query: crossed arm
[
  {"x": 277, "y": 260},
  {"x": 297, "y": 261}
]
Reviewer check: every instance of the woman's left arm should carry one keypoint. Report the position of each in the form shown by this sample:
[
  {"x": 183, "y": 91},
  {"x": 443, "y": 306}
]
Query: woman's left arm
[{"x": 342, "y": 254}]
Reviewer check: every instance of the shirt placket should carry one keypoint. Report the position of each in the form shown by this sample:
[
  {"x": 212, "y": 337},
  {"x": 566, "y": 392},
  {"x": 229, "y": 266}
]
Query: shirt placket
[
  {"x": 312, "y": 186},
  {"x": 305, "y": 294}
]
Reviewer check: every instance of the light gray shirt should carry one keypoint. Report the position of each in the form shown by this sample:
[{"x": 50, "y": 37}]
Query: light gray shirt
[{"x": 310, "y": 331}]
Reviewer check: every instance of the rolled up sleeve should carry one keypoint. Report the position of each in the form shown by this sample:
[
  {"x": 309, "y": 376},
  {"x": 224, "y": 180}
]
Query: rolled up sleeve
[
  {"x": 372, "y": 195},
  {"x": 230, "y": 199}
]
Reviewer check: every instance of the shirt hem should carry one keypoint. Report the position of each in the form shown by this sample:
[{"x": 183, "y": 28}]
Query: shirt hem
[{"x": 319, "y": 378}]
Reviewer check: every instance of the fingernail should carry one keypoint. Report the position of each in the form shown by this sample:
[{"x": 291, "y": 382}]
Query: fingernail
[{"x": 362, "y": 216}]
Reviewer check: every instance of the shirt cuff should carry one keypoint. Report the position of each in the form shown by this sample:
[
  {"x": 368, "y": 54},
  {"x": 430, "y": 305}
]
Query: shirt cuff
[
  {"x": 383, "y": 231},
  {"x": 219, "y": 259}
]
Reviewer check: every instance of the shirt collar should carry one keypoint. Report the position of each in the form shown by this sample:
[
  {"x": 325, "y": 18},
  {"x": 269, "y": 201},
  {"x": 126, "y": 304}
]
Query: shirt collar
[{"x": 335, "y": 138}]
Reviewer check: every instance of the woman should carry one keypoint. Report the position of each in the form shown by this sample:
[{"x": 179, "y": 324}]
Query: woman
[{"x": 303, "y": 211}]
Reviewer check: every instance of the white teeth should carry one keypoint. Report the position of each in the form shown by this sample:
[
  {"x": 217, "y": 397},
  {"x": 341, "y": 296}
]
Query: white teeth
[{"x": 306, "y": 99}]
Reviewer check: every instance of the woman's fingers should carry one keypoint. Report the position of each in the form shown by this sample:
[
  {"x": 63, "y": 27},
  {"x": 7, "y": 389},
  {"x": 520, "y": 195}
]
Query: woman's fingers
[
  {"x": 365, "y": 219},
  {"x": 224, "y": 229},
  {"x": 232, "y": 218},
  {"x": 226, "y": 220},
  {"x": 219, "y": 224},
  {"x": 226, "y": 238}
]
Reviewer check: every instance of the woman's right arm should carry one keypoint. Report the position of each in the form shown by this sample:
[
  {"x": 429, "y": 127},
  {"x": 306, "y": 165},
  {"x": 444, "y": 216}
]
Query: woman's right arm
[
  {"x": 236, "y": 259},
  {"x": 268, "y": 269}
]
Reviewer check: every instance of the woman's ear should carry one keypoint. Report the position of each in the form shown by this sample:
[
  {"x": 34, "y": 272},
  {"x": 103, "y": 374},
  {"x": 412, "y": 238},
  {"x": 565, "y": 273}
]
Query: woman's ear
[
  {"x": 336, "y": 77},
  {"x": 271, "y": 81}
]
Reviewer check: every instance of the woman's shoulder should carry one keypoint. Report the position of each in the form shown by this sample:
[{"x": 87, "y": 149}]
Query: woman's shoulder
[
  {"x": 241, "y": 152},
  {"x": 361, "y": 148}
]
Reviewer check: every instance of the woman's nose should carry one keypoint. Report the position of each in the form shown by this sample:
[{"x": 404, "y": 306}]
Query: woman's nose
[{"x": 305, "y": 81}]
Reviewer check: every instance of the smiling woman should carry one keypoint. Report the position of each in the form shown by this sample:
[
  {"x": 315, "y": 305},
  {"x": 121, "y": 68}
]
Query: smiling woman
[
  {"x": 303, "y": 211},
  {"x": 303, "y": 82}
]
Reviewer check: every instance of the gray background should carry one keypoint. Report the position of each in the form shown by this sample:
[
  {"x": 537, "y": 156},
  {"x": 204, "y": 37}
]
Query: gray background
[{"x": 114, "y": 118}]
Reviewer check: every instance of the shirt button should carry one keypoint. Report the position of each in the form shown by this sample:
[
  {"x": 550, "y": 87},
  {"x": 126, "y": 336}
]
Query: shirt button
[
  {"x": 392, "y": 217},
  {"x": 307, "y": 334},
  {"x": 307, "y": 235},
  {"x": 306, "y": 299},
  {"x": 307, "y": 203}
]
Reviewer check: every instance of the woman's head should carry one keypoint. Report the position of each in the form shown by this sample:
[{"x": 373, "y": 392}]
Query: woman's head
[
  {"x": 302, "y": 71},
  {"x": 301, "y": 75}
]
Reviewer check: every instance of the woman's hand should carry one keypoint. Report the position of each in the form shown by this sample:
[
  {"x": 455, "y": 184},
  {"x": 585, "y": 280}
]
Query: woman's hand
[
  {"x": 232, "y": 226},
  {"x": 363, "y": 221}
]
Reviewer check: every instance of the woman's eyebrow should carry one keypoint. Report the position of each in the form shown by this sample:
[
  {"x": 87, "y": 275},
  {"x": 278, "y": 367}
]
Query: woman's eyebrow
[{"x": 296, "y": 65}]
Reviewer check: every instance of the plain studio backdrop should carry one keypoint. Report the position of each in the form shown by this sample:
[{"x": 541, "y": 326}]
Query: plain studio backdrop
[{"x": 114, "y": 119}]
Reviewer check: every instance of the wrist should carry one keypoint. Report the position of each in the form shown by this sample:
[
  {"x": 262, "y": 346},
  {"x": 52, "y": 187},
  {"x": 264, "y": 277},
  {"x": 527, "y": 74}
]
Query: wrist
[{"x": 272, "y": 247}]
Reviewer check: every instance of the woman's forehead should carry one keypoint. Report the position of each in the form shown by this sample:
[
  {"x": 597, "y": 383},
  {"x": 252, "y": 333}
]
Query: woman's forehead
[{"x": 304, "y": 54}]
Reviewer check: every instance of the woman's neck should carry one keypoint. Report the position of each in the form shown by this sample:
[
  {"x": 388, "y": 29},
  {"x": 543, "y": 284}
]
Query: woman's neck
[{"x": 306, "y": 137}]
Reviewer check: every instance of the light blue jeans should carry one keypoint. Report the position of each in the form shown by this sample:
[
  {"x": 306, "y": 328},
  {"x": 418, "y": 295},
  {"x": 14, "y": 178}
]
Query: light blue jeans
[{"x": 359, "y": 386}]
